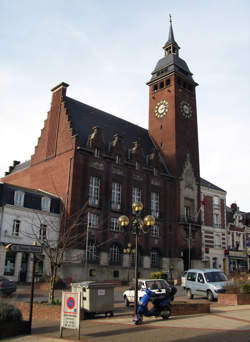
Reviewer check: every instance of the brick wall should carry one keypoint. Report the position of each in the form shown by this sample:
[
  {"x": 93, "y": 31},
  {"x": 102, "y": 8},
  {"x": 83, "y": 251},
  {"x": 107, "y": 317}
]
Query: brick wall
[
  {"x": 53, "y": 312},
  {"x": 40, "y": 311},
  {"x": 208, "y": 211}
]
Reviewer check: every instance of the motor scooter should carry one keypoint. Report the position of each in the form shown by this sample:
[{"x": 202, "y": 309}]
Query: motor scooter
[{"x": 161, "y": 305}]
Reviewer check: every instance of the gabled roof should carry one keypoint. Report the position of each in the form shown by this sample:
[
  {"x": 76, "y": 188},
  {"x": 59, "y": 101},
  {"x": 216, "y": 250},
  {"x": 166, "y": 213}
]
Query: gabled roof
[
  {"x": 209, "y": 185},
  {"x": 84, "y": 118}
]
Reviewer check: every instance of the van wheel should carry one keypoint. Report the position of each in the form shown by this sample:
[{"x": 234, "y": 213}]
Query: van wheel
[
  {"x": 126, "y": 302},
  {"x": 189, "y": 294},
  {"x": 210, "y": 296}
]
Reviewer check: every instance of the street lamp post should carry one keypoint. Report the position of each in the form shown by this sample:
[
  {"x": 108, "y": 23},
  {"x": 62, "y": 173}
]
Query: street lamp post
[
  {"x": 129, "y": 251},
  {"x": 138, "y": 225}
]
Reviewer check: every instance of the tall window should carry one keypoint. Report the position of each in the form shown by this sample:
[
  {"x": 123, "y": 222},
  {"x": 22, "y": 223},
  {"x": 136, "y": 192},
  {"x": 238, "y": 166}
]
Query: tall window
[
  {"x": 155, "y": 172},
  {"x": 93, "y": 220},
  {"x": 114, "y": 226},
  {"x": 217, "y": 220},
  {"x": 94, "y": 190},
  {"x": 187, "y": 212},
  {"x": 155, "y": 231},
  {"x": 97, "y": 152},
  {"x": 136, "y": 195},
  {"x": 216, "y": 202},
  {"x": 118, "y": 159},
  {"x": 155, "y": 257},
  {"x": 116, "y": 196},
  {"x": 92, "y": 256},
  {"x": 16, "y": 228},
  {"x": 115, "y": 255},
  {"x": 217, "y": 241},
  {"x": 155, "y": 204},
  {"x": 19, "y": 198},
  {"x": 45, "y": 203},
  {"x": 43, "y": 232},
  {"x": 10, "y": 260}
]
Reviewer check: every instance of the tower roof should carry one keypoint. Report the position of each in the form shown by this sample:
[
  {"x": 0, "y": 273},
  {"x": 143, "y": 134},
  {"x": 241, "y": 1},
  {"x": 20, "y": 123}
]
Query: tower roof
[
  {"x": 171, "y": 39},
  {"x": 171, "y": 62}
]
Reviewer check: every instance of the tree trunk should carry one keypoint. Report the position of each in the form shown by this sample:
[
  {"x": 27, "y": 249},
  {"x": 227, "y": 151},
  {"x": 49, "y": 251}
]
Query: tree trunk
[{"x": 52, "y": 285}]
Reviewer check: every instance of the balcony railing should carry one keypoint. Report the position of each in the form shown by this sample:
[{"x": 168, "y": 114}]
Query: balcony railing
[{"x": 189, "y": 219}]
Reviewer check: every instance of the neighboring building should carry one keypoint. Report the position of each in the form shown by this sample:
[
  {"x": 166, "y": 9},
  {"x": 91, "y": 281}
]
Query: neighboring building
[
  {"x": 214, "y": 237},
  {"x": 238, "y": 239},
  {"x": 26, "y": 216},
  {"x": 96, "y": 161}
]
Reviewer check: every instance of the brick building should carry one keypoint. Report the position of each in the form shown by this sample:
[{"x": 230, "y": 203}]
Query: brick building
[{"x": 99, "y": 162}]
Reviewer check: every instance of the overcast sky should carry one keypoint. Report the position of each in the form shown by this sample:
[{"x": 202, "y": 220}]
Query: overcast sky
[{"x": 106, "y": 50}]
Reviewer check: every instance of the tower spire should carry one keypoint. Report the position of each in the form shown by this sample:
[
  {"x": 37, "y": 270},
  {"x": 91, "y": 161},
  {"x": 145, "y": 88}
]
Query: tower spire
[{"x": 171, "y": 46}]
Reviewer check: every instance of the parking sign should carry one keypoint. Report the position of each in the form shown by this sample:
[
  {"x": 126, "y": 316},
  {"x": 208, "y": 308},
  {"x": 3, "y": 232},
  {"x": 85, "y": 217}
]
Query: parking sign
[{"x": 70, "y": 311}]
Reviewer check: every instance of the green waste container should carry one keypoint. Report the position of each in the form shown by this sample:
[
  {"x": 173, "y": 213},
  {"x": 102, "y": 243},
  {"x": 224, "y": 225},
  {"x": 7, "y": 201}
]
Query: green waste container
[{"x": 96, "y": 297}]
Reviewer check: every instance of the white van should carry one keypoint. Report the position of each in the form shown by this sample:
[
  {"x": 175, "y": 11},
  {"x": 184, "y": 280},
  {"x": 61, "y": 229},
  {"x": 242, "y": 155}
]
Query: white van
[
  {"x": 205, "y": 282},
  {"x": 155, "y": 285}
]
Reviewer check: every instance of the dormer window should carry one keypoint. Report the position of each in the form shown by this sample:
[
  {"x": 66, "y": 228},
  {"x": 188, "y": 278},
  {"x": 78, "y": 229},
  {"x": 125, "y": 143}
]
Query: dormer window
[
  {"x": 45, "y": 203},
  {"x": 19, "y": 198},
  {"x": 168, "y": 82},
  {"x": 97, "y": 152}
]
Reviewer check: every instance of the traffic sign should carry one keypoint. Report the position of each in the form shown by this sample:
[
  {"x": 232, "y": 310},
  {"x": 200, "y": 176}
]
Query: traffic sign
[
  {"x": 24, "y": 248},
  {"x": 70, "y": 311}
]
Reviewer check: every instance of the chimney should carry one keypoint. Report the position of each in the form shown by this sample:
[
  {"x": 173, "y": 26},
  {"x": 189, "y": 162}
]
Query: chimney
[
  {"x": 58, "y": 94},
  {"x": 62, "y": 87}
]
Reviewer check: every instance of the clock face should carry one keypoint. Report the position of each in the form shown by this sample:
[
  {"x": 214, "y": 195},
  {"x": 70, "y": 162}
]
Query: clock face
[
  {"x": 186, "y": 109},
  {"x": 161, "y": 109}
]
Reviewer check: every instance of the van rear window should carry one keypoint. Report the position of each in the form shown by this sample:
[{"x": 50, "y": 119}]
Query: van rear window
[{"x": 191, "y": 276}]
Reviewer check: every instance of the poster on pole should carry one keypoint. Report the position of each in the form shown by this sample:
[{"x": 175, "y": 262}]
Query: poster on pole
[{"x": 70, "y": 311}]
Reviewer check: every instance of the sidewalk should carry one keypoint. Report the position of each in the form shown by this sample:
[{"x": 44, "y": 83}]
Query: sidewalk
[{"x": 231, "y": 324}]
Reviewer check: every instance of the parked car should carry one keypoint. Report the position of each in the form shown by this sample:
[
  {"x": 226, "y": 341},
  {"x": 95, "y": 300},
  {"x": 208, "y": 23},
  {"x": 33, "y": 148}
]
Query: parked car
[
  {"x": 155, "y": 285},
  {"x": 183, "y": 279},
  {"x": 6, "y": 286},
  {"x": 206, "y": 282}
]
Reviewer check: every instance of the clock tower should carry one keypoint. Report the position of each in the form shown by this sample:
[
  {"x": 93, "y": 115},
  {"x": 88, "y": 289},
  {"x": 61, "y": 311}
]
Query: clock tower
[
  {"x": 173, "y": 127},
  {"x": 172, "y": 109}
]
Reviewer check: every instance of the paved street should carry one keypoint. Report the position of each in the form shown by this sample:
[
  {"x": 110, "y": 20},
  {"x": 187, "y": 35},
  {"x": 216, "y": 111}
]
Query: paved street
[
  {"x": 230, "y": 324},
  {"x": 224, "y": 323}
]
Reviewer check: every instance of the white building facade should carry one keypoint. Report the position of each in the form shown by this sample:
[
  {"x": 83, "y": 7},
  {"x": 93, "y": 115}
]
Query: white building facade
[
  {"x": 26, "y": 216},
  {"x": 214, "y": 234}
]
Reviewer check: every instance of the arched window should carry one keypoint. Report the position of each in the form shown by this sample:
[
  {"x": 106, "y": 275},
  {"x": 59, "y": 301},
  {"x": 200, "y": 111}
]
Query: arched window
[{"x": 115, "y": 255}]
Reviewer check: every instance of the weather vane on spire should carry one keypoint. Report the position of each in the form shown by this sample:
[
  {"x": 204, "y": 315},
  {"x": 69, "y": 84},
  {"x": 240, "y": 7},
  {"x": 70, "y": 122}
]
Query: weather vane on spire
[{"x": 170, "y": 18}]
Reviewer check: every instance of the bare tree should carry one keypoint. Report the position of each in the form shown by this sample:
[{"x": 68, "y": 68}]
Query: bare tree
[{"x": 56, "y": 238}]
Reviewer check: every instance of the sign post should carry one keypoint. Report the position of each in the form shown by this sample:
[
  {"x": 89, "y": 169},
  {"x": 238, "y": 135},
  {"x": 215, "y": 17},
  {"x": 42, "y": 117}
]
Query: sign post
[
  {"x": 70, "y": 312},
  {"x": 28, "y": 249}
]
